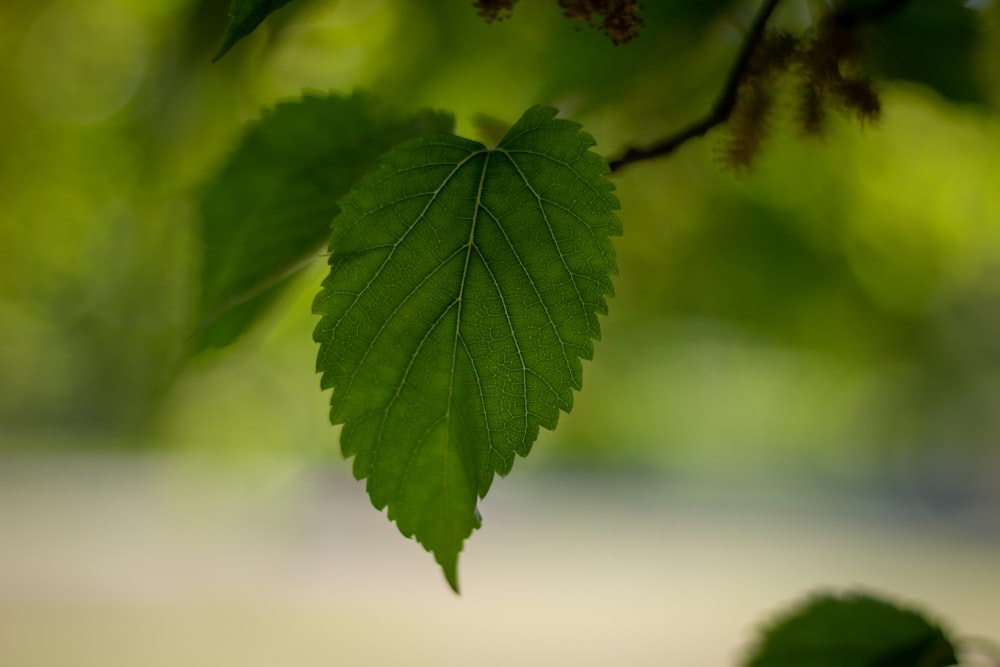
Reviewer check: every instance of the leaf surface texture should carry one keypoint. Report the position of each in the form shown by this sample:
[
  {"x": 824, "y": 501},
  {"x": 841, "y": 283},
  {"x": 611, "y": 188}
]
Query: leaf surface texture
[{"x": 464, "y": 289}]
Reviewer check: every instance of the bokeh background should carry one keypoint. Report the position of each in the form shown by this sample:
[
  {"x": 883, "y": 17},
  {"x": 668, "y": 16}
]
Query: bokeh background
[{"x": 798, "y": 386}]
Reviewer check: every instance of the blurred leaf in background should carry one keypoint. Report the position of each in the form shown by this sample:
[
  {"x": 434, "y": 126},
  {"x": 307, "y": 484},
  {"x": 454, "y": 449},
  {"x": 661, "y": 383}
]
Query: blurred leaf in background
[
  {"x": 930, "y": 42},
  {"x": 267, "y": 212},
  {"x": 852, "y": 630},
  {"x": 244, "y": 17}
]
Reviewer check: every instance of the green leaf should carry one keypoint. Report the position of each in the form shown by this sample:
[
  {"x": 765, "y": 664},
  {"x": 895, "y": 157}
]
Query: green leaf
[
  {"x": 244, "y": 17},
  {"x": 853, "y": 631},
  {"x": 268, "y": 210},
  {"x": 464, "y": 290}
]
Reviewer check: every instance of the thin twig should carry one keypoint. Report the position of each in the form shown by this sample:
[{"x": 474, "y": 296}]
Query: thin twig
[
  {"x": 726, "y": 103},
  {"x": 723, "y": 107}
]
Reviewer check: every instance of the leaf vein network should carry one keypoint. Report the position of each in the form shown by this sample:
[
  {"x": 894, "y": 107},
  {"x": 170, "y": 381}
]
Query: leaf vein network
[{"x": 385, "y": 262}]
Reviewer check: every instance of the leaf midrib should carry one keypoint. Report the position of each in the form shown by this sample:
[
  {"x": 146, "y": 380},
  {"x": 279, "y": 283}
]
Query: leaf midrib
[
  {"x": 468, "y": 247},
  {"x": 395, "y": 246}
]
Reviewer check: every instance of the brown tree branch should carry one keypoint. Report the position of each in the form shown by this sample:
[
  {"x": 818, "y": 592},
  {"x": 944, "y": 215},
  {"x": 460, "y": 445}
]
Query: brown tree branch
[
  {"x": 726, "y": 103},
  {"x": 723, "y": 107}
]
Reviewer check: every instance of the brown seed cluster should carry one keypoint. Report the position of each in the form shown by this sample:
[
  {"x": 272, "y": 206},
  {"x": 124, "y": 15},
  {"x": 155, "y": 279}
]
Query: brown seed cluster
[
  {"x": 750, "y": 121},
  {"x": 618, "y": 19},
  {"x": 826, "y": 70},
  {"x": 494, "y": 10}
]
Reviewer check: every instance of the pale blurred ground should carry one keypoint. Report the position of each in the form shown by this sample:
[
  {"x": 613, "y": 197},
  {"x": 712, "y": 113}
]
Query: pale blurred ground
[{"x": 149, "y": 561}]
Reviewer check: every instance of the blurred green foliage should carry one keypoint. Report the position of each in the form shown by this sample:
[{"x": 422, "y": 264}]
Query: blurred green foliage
[
  {"x": 268, "y": 210},
  {"x": 899, "y": 48},
  {"x": 852, "y": 630},
  {"x": 834, "y": 309}
]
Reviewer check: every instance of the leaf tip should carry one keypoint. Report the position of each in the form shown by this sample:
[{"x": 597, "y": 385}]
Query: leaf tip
[
  {"x": 244, "y": 17},
  {"x": 449, "y": 566},
  {"x": 233, "y": 35}
]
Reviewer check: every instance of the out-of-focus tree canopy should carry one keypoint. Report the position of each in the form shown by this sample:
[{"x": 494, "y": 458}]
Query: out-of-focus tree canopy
[{"x": 837, "y": 305}]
